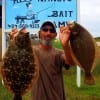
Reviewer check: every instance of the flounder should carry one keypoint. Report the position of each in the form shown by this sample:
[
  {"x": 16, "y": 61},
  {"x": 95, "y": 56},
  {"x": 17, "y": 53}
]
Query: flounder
[
  {"x": 83, "y": 48},
  {"x": 19, "y": 65}
]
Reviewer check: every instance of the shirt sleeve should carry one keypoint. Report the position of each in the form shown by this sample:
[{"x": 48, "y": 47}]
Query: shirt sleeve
[{"x": 60, "y": 61}]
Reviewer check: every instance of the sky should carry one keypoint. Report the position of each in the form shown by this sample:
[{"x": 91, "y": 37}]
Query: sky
[{"x": 90, "y": 16}]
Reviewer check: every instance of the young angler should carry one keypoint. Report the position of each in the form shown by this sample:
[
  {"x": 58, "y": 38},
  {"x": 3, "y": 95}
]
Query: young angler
[{"x": 51, "y": 61}]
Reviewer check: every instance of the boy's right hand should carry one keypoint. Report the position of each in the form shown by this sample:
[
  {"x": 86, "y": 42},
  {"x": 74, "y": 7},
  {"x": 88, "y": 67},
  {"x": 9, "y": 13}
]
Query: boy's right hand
[{"x": 13, "y": 33}]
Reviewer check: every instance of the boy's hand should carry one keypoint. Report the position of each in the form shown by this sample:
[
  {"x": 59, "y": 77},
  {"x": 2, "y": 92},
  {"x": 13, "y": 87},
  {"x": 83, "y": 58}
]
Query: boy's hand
[
  {"x": 64, "y": 35},
  {"x": 13, "y": 33}
]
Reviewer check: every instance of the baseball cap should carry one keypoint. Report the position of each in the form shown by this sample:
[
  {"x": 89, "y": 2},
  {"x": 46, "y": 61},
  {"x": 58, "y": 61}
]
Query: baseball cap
[{"x": 50, "y": 23}]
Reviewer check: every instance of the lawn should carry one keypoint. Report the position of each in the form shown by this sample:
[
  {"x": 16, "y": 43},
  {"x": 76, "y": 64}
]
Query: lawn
[
  {"x": 84, "y": 92},
  {"x": 97, "y": 39}
]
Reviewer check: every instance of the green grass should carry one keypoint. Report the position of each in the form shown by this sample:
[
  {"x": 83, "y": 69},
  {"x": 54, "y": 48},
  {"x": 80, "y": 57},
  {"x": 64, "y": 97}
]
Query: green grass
[
  {"x": 85, "y": 92},
  {"x": 57, "y": 44},
  {"x": 97, "y": 39}
]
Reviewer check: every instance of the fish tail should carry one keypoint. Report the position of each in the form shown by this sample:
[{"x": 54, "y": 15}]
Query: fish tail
[
  {"x": 89, "y": 79},
  {"x": 17, "y": 97}
]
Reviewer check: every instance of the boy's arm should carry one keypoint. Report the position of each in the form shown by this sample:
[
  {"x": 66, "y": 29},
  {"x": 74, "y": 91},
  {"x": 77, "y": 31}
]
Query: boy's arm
[{"x": 64, "y": 36}]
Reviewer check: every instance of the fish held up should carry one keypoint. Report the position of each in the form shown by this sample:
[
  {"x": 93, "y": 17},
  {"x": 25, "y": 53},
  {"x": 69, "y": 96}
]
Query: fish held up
[{"x": 83, "y": 47}]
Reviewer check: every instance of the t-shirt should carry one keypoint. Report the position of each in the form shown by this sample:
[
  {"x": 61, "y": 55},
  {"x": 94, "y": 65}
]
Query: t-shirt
[{"x": 50, "y": 82}]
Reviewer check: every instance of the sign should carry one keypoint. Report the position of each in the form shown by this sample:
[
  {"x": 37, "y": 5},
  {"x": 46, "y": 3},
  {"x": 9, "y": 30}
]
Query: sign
[{"x": 32, "y": 13}]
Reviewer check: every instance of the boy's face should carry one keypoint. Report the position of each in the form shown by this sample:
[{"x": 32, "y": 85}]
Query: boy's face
[{"x": 47, "y": 33}]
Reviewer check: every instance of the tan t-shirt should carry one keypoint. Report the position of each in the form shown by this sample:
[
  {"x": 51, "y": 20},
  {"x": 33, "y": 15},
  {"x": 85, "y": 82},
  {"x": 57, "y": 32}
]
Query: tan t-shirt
[{"x": 50, "y": 82}]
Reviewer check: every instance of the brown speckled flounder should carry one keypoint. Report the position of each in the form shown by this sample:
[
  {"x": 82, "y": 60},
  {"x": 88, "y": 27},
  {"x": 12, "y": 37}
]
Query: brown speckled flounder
[
  {"x": 83, "y": 50},
  {"x": 19, "y": 65}
]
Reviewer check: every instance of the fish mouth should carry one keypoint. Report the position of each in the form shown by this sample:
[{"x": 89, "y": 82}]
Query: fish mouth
[{"x": 71, "y": 24}]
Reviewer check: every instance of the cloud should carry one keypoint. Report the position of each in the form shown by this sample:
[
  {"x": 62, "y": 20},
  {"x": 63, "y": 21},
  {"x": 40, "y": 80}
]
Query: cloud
[
  {"x": 90, "y": 15},
  {"x": 90, "y": 8}
]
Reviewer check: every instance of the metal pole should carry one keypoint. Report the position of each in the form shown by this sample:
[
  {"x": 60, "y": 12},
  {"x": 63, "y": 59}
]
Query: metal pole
[
  {"x": 78, "y": 79},
  {"x": 78, "y": 76},
  {"x": 3, "y": 28}
]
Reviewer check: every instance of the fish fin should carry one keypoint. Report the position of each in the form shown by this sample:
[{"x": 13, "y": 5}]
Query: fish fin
[
  {"x": 17, "y": 97},
  {"x": 89, "y": 79}
]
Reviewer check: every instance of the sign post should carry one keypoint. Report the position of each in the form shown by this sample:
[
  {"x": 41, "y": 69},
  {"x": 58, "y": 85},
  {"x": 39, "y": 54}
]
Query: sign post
[
  {"x": 78, "y": 75},
  {"x": 3, "y": 28}
]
